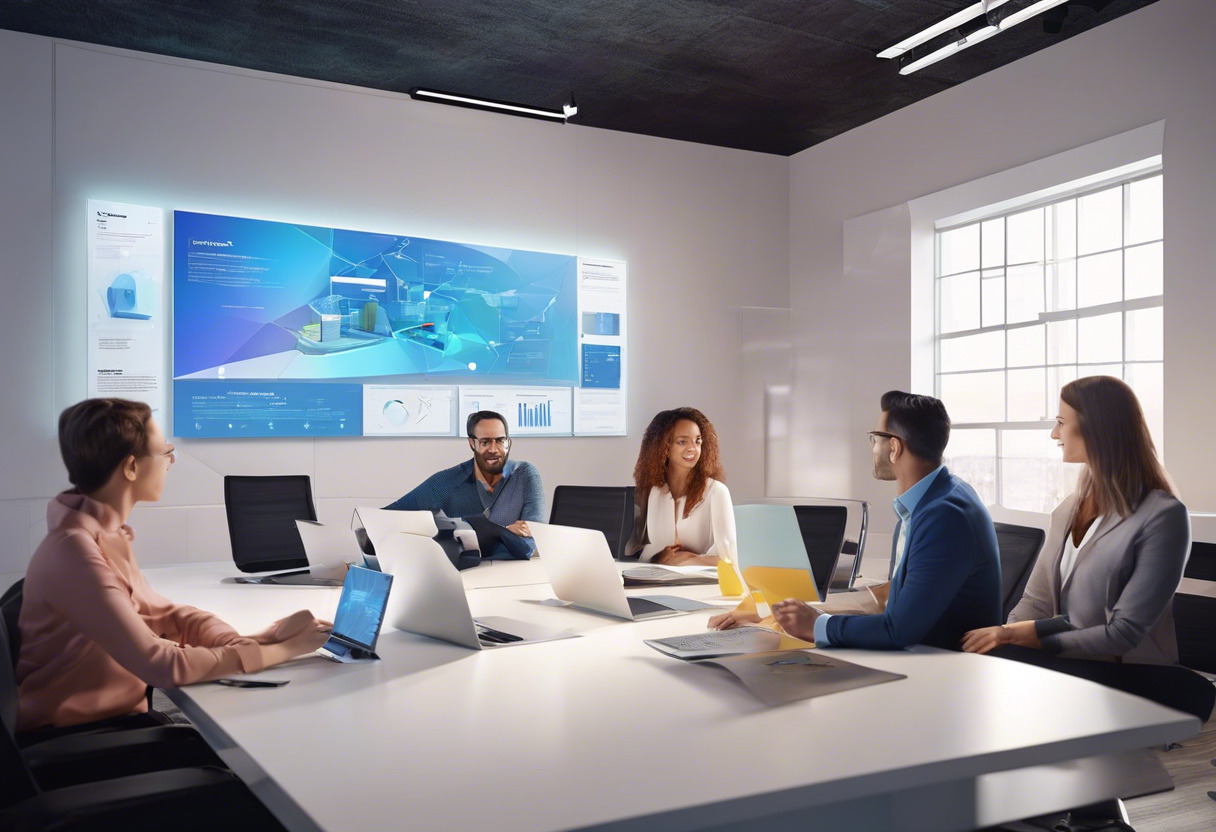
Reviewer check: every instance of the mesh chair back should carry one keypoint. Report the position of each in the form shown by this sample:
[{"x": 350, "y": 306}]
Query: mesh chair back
[
  {"x": 16, "y": 782},
  {"x": 822, "y": 530},
  {"x": 1019, "y": 548},
  {"x": 1201, "y": 566},
  {"x": 10, "y": 606},
  {"x": 1195, "y": 615},
  {"x": 261, "y": 521},
  {"x": 608, "y": 509}
]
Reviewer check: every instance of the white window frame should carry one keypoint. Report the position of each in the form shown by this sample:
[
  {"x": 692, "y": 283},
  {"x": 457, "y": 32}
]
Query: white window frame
[{"x": 1005, "y": 210}]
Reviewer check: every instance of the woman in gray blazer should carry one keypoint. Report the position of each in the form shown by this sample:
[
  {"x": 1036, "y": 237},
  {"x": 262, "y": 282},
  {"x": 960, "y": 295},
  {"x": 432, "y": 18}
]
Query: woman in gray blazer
[{"x": 1104, "y": 584}]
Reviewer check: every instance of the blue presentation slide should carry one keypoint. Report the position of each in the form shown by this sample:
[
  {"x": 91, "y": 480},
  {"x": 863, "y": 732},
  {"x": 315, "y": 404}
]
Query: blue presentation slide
[
  {"x": 266, "y": 408},
  {"x": 601, "y": 366},
  {"x": 256, "y": 300}
]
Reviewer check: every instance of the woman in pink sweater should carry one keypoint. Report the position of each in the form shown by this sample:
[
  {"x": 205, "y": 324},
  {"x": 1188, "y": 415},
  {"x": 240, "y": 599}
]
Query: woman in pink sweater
[{"x": 94, "y": 634}]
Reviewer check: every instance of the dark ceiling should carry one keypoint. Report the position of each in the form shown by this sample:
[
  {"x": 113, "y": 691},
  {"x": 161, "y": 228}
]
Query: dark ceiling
[{"x": 775, "y": 76}]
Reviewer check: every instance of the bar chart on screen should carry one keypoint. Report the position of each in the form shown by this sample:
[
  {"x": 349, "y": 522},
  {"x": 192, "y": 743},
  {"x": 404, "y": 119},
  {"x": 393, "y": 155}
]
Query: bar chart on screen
[{"x": 529, "y": 411}]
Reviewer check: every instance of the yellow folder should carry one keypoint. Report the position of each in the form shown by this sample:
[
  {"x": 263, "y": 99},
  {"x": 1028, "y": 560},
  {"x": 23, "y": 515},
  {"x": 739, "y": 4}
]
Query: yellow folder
[{"x": 778, "y": 583}]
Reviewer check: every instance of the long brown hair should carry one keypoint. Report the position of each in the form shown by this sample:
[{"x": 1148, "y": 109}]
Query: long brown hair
[
  {"x": 1123, "y": 466},
  {"x": 651, "y": 468}
]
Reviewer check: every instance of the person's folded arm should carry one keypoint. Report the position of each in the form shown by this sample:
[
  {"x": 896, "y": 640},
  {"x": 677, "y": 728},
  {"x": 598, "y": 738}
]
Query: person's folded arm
[
  {"x": 1036, "y": 597},
  {"x": 423, "y": 497},
  {"x": 1159, "y": 550},
  {"x": 938, "y": 562},
  {"x": 721, "y": 522},
  {"x": 534, "y": 494},
  {"x": 89, "y": 595},
  {"x": 188, "y": 625}
]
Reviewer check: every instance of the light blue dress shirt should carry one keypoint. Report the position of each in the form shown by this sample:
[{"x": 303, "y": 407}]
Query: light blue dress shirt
[{"x": 904, "y": 505}]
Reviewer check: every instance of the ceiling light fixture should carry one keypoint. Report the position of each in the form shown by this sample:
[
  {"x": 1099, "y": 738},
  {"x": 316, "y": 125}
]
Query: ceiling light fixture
[
  {"x": 942, "y": 27},
  {"x": 1019, "y": 10},
  {"x": 963, "y": 29},
  {"x": 914, "y": 59},
  {"x": 489, "y": 104}
]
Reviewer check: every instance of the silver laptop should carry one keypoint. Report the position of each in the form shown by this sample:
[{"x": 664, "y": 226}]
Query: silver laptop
[
  {"x": 428, "y": 598},
  {"x": 582, "y": 571}
]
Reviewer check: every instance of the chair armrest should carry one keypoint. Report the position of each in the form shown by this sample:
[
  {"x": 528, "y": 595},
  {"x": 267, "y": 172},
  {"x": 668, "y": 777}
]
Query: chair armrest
[
  {"x": 86, "y": 758},
  {"x": 181, "y": 799}
]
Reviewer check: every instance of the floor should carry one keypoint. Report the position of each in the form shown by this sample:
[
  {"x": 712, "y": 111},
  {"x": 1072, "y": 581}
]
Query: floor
[{"x": 1191, "y": 806}]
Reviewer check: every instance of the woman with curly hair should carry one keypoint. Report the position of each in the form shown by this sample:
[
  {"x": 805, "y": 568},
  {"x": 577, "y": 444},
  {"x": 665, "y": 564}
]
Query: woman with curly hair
[{"x": 683, "y": 514}]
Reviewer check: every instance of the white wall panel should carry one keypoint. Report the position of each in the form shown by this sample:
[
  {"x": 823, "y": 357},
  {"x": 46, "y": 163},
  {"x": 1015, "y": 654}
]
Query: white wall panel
[{"x": 704, "y": 231}]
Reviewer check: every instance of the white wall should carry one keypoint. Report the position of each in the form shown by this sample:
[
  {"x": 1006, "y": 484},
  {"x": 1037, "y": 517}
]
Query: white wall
[
  {"x": 854, "y": 326},
  {"x": 704, "y": 230}
]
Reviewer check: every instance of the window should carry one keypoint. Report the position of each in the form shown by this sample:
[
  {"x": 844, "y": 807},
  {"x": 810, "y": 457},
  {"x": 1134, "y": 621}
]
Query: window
[{"x": 1030, "y": 300}]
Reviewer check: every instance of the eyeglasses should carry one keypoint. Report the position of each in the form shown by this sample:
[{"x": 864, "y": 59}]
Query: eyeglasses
[
  {"x": 875, "y": 435},
  {"x": 168, "y": 452},
  {"x": 485, "y": 444}
]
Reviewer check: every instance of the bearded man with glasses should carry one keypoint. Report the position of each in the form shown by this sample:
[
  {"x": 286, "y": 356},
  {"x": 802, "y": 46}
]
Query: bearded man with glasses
[{"x": 507, "y": 492}]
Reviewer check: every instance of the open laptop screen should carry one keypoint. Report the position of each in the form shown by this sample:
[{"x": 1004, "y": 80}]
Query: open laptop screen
[{"x": 361, "y": 608}]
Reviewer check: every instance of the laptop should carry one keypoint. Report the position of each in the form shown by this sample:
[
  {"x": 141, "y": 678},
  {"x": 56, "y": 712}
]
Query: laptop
[
  {"x": 583, "y": 572},
  {"x": 822, "y": 529},
  {"x": 428, "y": 598},
  {"x": 328, "y": 549},
  {"x": 359, "y": 617}
]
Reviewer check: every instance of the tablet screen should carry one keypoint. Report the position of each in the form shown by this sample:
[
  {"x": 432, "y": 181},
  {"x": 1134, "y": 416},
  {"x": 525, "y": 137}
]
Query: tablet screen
[{"x": 361, "y": 608}]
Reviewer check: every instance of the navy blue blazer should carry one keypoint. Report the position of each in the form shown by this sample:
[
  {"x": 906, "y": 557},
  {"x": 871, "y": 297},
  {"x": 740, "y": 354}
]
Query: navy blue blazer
[{"x": 948, "y": 582}]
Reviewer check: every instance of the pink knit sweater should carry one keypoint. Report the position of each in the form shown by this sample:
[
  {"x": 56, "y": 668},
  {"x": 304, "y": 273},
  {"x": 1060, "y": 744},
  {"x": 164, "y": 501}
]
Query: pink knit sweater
[{"x": 94, "y": 633}]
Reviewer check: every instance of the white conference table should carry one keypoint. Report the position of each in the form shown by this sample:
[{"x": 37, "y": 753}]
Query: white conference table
[{"x": 601, "y": 732}]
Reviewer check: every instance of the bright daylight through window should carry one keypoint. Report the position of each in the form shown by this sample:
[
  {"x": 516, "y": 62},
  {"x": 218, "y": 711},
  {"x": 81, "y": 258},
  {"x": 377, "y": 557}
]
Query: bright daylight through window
[{"x": 1030, "y": 300}]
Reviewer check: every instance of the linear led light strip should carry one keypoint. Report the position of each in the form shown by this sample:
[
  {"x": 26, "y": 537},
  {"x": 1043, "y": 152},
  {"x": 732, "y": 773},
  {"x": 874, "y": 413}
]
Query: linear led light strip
[
  {"x": 958, "y": 19},
  {"x": 564, "y": 113},
  {"x": 952, "y": 22}
]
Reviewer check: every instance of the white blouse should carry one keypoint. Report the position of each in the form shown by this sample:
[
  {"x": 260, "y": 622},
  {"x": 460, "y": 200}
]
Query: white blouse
[
  {"x": 709, "y": 529},
  {"x": 1069, "y": 559}
]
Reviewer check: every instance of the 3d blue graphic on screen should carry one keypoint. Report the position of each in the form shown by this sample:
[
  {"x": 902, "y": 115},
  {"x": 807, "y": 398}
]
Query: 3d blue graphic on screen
[{"x": 269, "y": 301}]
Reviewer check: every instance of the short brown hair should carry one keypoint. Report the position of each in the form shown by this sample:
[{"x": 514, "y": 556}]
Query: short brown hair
[
  {"x": 96, "y": 435},
  {"x": 1123, "y": 465},
  {"x": 651, "y": 468}
]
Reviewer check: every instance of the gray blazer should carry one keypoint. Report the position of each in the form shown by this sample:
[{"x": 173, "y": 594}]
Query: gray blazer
[{"x": 1119, "y": 599}]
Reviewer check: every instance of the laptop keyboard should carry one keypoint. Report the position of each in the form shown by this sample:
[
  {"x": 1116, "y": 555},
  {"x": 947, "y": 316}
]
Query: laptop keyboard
[{"x": 641, "y": 606}]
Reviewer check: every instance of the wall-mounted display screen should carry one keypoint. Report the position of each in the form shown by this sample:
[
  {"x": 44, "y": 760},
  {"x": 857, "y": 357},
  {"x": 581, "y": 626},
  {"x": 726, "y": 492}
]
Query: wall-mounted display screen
[{"x": 282, "y": 329}]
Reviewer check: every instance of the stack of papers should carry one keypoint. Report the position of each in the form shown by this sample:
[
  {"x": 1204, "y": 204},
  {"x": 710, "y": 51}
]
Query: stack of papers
[
  {"x": 650, "y": 574},
  {"x": 716, "y": 643}
]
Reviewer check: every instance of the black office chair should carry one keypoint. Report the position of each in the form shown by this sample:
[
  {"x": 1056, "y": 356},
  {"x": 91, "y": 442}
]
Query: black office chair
[
  {"x": 822, "y": 530},
  {"x": 848, "y": 566},
  {"x": 10, "y": 608},
  {"x": 262, "y": 514},
  {"x": 607, "y": 508},
  {"x": 102, "y": 781},
  {"x": 1195, "y": 615},
  {"x": 98, "y": 752},
  {"x": 1019, "y": 547}
]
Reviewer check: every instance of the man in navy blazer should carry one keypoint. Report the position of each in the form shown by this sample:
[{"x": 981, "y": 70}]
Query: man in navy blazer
[{"x": 947, "y": 575}]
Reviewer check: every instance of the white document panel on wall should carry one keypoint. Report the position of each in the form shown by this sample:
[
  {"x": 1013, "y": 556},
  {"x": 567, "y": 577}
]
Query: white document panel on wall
[
  {"x": 599, "y": 400},
  {"x": 127, "y": 305}
]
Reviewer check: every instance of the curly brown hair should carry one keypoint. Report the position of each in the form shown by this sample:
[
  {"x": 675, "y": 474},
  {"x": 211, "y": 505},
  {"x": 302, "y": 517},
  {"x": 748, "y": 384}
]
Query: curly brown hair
[{"x": 651, "y": 468}]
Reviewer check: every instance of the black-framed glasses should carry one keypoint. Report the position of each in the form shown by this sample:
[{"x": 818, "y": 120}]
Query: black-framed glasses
[
  {"x": 875, "y": 435},
  {"x": 485, "y": 444}
]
